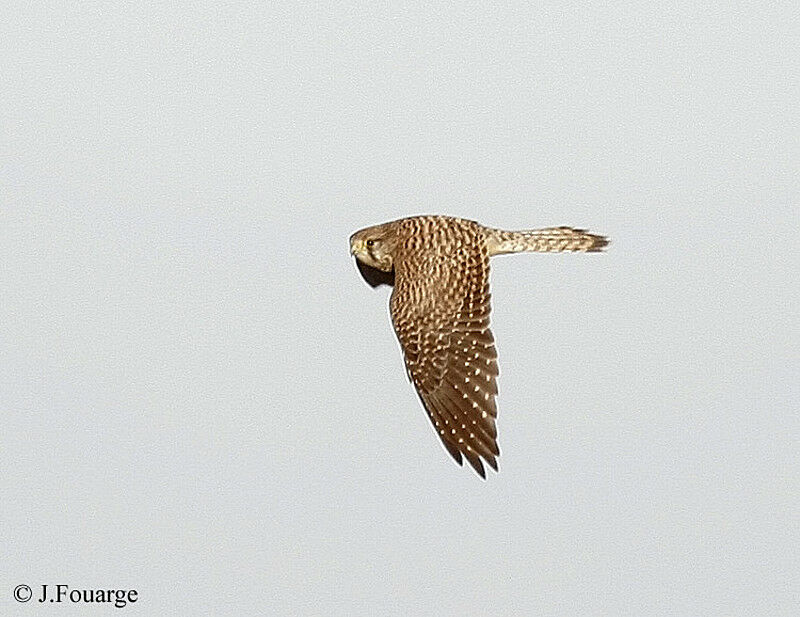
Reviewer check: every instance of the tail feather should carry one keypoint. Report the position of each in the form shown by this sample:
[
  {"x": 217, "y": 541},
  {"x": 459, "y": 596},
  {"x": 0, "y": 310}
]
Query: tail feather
[{"x": 547, "y": 240}]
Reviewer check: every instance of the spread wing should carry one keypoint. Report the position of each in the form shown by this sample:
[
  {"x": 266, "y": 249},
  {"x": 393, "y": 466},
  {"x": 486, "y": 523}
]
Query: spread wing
[{"x": 441, "y": 317}]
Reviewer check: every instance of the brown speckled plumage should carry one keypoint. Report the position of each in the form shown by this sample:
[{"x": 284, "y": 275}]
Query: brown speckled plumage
[{"x": 440, "y": 310}]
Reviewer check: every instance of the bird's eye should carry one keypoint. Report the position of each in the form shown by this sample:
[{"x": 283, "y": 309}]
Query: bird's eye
[{"x": 370, "y": 243}]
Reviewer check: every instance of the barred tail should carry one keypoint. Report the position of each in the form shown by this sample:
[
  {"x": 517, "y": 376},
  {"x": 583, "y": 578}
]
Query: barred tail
[{"x": 548, "y": 240}]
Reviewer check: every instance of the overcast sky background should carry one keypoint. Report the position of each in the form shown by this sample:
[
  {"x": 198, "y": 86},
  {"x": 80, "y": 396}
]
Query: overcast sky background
[{"x": 202, "y": 400}]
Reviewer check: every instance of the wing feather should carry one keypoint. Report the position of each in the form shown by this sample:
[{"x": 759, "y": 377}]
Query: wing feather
[{"x": 440, "y": 311}]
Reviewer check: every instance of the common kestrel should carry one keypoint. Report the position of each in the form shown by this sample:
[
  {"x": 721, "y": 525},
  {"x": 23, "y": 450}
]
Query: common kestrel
[{"x": 440, "y": 311}]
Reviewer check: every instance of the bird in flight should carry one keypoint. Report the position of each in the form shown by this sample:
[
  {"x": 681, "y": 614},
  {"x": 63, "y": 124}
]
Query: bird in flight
[{"x": 440, "y": 312}]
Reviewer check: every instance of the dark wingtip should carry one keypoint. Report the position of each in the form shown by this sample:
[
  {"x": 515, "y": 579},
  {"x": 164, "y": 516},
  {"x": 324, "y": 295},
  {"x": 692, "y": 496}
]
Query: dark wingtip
[
  {"x": 476, "y": 463},
  {"x": 454, "y": 452},
  {"x": 373, "y": 276}
]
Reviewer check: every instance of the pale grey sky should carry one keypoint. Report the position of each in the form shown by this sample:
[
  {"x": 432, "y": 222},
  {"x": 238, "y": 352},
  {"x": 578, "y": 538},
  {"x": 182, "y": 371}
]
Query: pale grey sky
[{"x": 202, "y": 400}]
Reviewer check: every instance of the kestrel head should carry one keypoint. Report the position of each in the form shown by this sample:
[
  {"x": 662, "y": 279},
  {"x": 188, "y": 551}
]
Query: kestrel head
[{"x": 373, "y": 246}]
